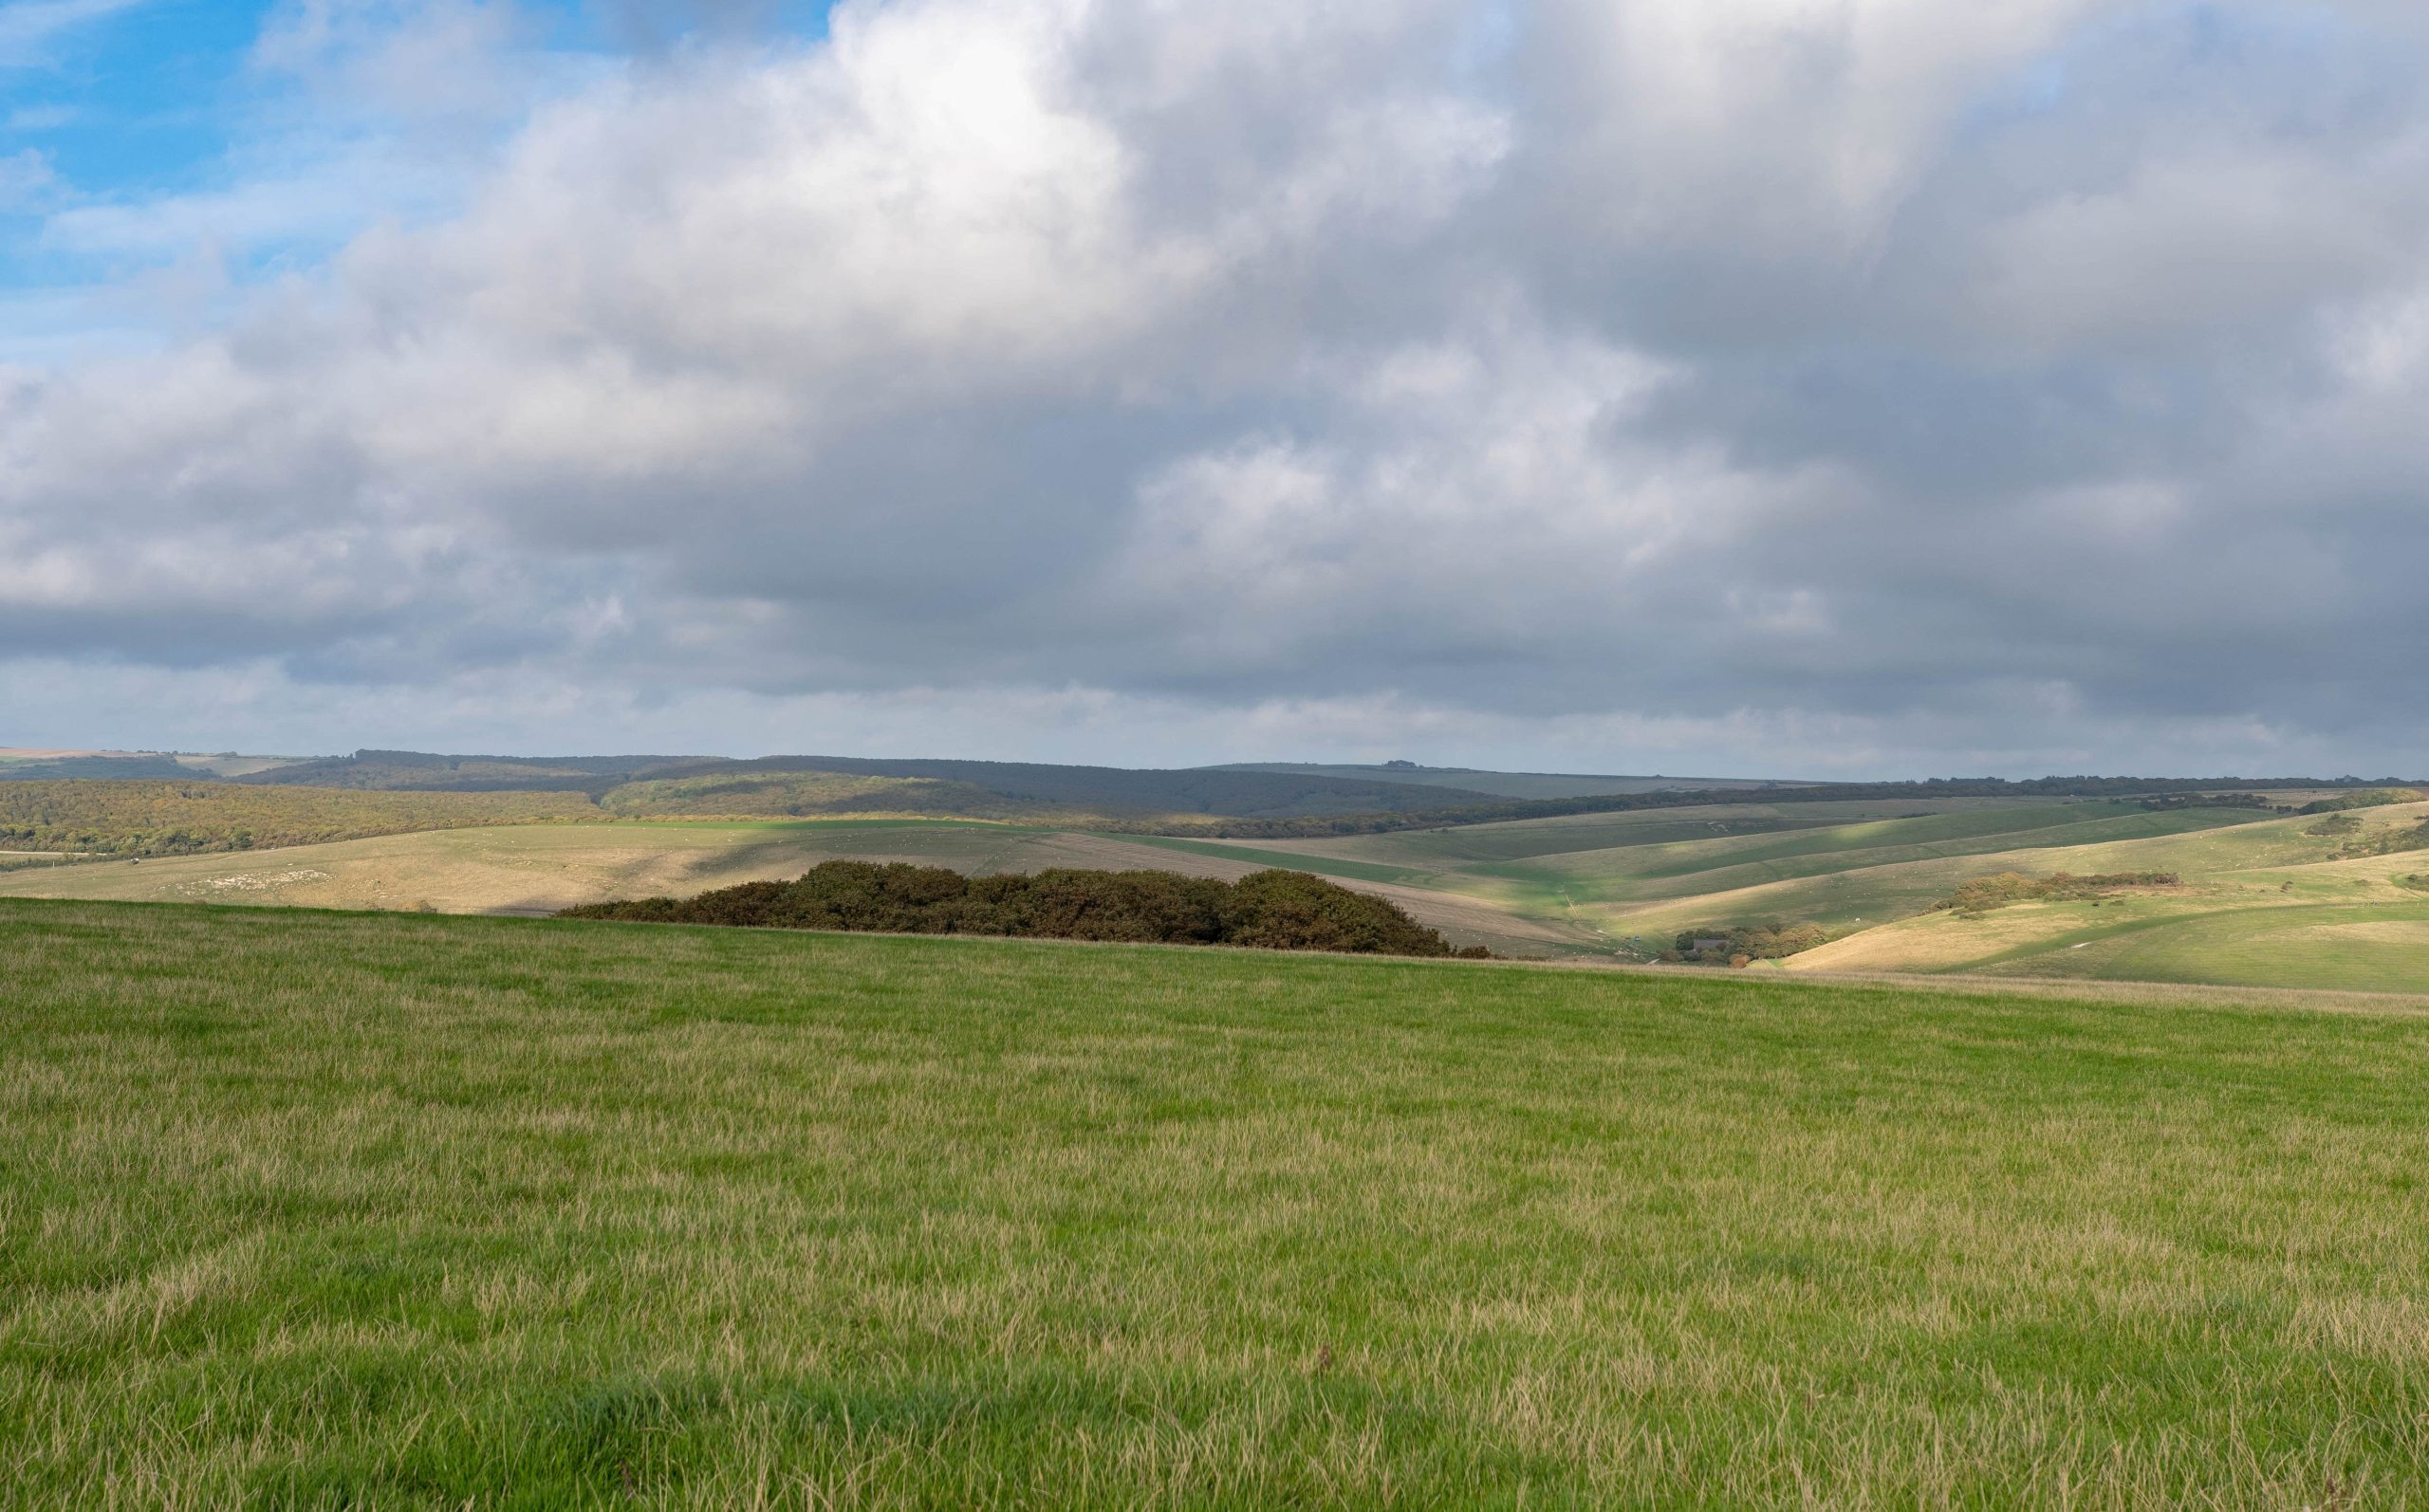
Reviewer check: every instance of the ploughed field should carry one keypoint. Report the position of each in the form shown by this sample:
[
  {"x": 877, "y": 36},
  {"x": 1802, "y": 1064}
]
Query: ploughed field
[{"x": 326, "y": 1208}]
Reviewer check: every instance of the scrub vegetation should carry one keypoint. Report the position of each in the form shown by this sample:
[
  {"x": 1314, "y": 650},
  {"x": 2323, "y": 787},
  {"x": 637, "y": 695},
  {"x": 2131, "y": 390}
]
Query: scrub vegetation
[
  {"x": 1984, "y": 893},
  {"x": 1270, "y": 910},
  {"x": 104, "y": 817},
  {"x": 322, "y": 1210},
  {"x": 1742, "y": 944}
]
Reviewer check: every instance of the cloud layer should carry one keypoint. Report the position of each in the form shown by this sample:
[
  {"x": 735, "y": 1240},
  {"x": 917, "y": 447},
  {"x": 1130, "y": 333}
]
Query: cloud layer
[{"x": 1789, "y": 385}]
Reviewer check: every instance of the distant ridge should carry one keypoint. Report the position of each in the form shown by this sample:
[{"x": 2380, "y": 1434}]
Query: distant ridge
[
  {"x": 1209, "y": 790},
  {"x": 1506, "y": 785},
  {"x": 1112, "y": 791}
]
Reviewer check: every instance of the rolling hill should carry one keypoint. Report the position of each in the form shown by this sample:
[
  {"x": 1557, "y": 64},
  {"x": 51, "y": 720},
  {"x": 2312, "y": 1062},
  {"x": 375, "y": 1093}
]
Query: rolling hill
[
  {"x": 1618, "y": 883},
  {"x": 965, "y": 785}
]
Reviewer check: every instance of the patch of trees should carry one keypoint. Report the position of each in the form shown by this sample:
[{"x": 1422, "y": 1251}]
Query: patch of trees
[
  {"x": 95, "y": 817},
  {"x": 1272, "y": 910},
  {"x": 2367, "y": 798},
  {"x": 1744, "y": 944},
  {"x": 2165, "y": 803},
  {"x": 1984, "y": 893}
]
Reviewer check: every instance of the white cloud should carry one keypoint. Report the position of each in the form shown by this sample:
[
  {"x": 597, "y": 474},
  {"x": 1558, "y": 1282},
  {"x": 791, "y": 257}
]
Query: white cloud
[
  {"x": 29, "y": 27},
  {"x": 1820, "y": 381}
]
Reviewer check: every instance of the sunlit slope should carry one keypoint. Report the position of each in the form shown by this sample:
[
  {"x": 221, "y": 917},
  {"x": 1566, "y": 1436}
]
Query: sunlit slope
[
  {"x": 1843, "y": 876},
  {"x": 2260, "y": 904},
  {"x": 1648, "y": 874},
  {"x": 1719, "y": 865},
  {"x": 1467, "y": 846},
  {"x": 542, "y": 868},
  {"x": 1545, "y": 869}
]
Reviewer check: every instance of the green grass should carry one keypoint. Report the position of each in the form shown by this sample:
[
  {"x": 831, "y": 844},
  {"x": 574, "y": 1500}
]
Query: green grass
[
  {"x": 322, "y": 1209},
  {"x": 1465, "y": 845},
  {"x": 2370, "y": 948},
  {"x": 1288, "y": 860}
]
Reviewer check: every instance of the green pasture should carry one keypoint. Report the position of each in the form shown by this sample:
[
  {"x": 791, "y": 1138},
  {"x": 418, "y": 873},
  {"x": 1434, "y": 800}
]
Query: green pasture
[
  {"x": 2372, "y": 947},
  {"x": 1464, "y": 846},
  {"x": 322, "y": 1209},
  {"x": 1645, "y": 873}
]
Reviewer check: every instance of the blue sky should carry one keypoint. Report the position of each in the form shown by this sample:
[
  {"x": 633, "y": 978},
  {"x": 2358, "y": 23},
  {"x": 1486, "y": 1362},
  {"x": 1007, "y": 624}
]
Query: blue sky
[{"x": 123, "y": 105}]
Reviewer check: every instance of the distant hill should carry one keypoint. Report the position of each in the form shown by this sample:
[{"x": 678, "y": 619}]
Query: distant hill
[
  {"x": 1013, "y": 787},
  {"x": 429, "y": 773},
  {"x": 20, "y": 764},
  {"x": 1212, "y": 790},
  {"x": 1502, "y": 784}
]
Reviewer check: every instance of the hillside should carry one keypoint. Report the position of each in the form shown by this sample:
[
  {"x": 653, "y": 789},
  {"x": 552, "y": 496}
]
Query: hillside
[
  {"x": 2289, "y": 902},
  {"x": 423, "y": 771},
  {"x": 20, "y": 764},
  {"x": 87, "y": 817},
  {"x": 1117, "y": 791},
  {"x": 326, "y": 1210}
]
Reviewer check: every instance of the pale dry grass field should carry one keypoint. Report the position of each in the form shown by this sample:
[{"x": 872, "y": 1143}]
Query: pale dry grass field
[{"x": 318, "y": 1209}]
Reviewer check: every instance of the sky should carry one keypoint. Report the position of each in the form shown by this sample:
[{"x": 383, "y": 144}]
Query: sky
[{"x": 1822, "y": 388}]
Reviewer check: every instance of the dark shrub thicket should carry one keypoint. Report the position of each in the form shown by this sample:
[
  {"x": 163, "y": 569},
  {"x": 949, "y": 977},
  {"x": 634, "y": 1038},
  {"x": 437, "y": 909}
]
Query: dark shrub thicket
[
  {"x": 1273, "y": 910},
  {"x": 1772, "y": 941},
  {"x": 2368, "y": 798},
  {"x": 2364, "y": 840}
]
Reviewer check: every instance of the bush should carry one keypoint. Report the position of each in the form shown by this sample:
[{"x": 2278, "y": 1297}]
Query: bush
[{"x": 1273, "y": 909}]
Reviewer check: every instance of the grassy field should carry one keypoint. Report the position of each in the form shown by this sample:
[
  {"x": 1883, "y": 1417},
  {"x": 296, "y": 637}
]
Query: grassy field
[{"x": 324, "y": 1210}]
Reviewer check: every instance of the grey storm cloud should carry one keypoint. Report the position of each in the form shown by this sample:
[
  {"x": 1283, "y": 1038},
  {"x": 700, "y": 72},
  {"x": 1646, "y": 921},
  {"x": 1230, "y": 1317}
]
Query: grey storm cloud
[{"x": 1860, "y": 384}]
